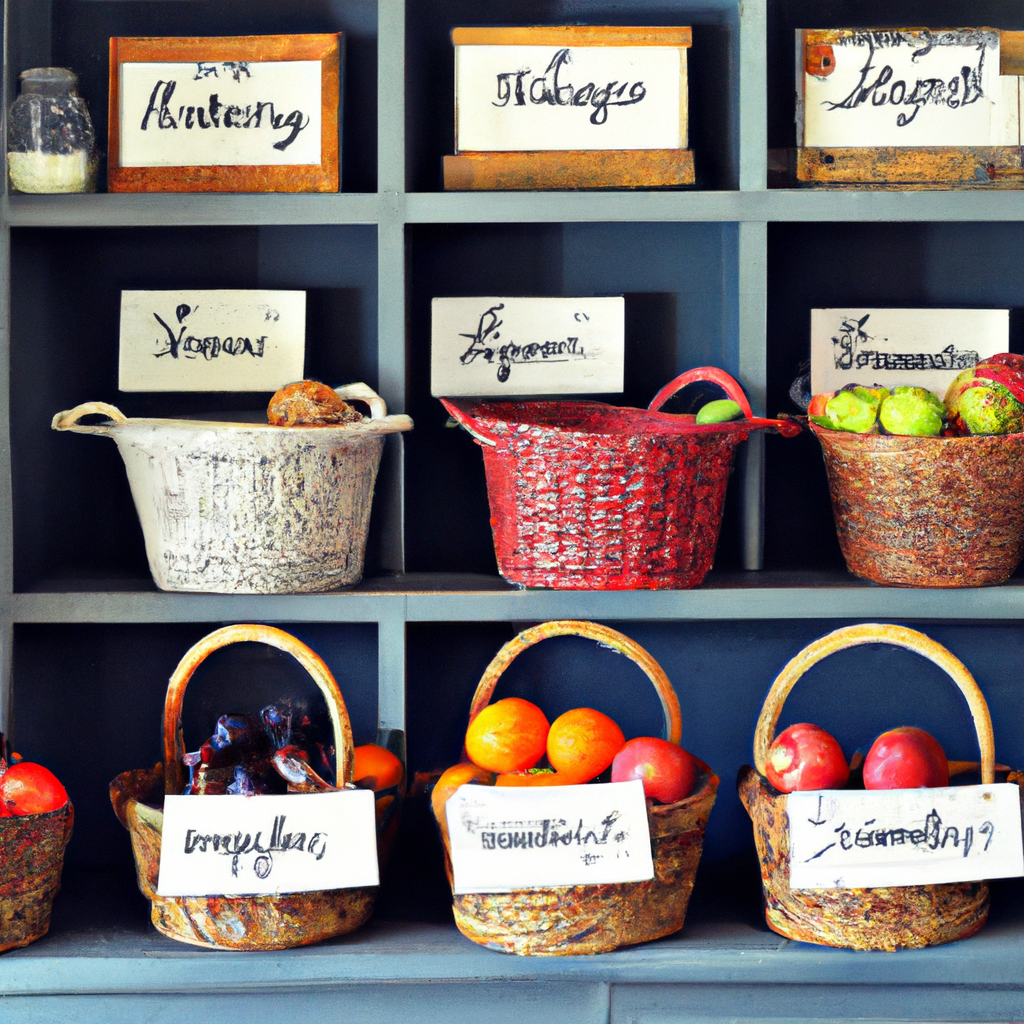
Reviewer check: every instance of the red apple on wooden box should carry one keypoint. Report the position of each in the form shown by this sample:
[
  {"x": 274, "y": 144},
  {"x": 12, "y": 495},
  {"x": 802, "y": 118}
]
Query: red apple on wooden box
[
  {"x": 905, "y": 758},
  {"x": 668, "y": 772},
  {"x": 805, "y": 756}
]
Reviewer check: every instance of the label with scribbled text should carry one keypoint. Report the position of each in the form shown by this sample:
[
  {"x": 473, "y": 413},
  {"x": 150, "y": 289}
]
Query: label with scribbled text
[
  {"x": 859, "y": 839},
  {"x": 510, "y": 838}
]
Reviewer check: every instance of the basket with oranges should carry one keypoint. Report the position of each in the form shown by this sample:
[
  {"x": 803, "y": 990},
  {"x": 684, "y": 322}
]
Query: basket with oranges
[{"x": 511, "y": 743}]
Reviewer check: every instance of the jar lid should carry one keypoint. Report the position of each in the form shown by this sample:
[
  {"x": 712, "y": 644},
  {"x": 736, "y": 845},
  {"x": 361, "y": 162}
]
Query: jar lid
[{"x": 48, "y": 81}]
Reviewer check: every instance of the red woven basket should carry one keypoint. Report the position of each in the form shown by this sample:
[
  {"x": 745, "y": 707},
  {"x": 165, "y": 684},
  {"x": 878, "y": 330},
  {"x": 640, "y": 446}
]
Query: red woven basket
[{"x": 587, "y": 496}]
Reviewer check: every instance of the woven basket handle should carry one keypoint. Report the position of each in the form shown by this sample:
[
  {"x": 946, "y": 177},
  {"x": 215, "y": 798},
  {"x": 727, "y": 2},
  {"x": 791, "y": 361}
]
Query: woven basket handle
[
  {"x": 703, "y": 373},
  {"x": 871, "y": 633},
  {"x": 592, "y": 631},
  {"x": 68, "y": 420},
  {"x": 174, "y": 741}
]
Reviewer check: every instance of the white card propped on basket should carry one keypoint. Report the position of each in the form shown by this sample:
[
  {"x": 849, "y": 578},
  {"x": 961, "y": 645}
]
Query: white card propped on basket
[
  {"x": 263, "y": 845},
  {"x": 924, "y": 348},
  {"x": 859, "y": 839},
  {"x": 491, "y": 346},
  {"x": 536, "y": 838}
]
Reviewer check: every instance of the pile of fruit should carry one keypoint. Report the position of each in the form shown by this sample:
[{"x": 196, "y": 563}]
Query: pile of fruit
[
  {"x": 805, "y": 756},
  {"x": 511, "y": 743},
  {"x": 27, "y": 788},
  {"x": 249, "y": 755},
  {"x": 985, "y": 399}
]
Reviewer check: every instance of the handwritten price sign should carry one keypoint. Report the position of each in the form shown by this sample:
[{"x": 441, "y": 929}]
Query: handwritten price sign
[
  {"x": 527, "y": 346},
  {"x": 852, "y": 839},
  {"x": 263, "y": 845},
  {"x": 508, "y": 839}
]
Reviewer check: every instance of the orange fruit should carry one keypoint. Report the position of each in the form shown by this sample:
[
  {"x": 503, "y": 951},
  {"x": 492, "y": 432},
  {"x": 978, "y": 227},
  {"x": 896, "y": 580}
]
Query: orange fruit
[
  {"x": 377, "y": 768},
  {"x": 531, "y": 779},
  {"x": 507, "y": 736},
  {"x": 457, "y": 775},
  {"x": 582, "y": 743}
]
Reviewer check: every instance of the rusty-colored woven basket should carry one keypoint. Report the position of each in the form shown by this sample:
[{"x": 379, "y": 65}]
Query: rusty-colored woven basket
[
  {"x": 927, "y": 511},
  {"x": 594, "y": 918},
  {"x": 904, "y": 917},
  {"x": 31, "y": 858},
  {"x": 234, "y": 922},
  {"x": 586, "y": 496}
]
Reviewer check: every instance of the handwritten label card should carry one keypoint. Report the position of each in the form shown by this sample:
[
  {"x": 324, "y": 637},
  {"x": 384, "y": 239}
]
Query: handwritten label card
[
  {"x": 853, "y": 839},
  {"x": 569, "y": 97},
  {"x": 207, "y": 113},
  {"x": 891, "y": 347},
  {"x": 527, "y": 346},
  {"x": 507, "y": 839},
  {"x": 220, "y": 340},
  {"x": 904, "y": 87},
  {"x": 262, "y": 845}
]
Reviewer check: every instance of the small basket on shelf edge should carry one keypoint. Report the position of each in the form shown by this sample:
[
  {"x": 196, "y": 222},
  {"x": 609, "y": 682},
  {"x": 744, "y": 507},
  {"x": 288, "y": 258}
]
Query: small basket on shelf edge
[
  {"x": 240, "y": 922},
  {"x": 594, "y": 918},
  {"x": 883, "y": 918}
]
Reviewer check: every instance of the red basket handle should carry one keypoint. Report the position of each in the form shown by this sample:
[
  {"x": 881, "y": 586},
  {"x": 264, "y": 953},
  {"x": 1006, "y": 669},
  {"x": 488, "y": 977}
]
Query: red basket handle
[
  {"x": 703, "y": 373},
  {"x": 467, "y": 422}
]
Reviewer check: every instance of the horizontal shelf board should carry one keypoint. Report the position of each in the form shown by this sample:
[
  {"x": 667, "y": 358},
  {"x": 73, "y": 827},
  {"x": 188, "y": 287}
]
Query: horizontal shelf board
[
  {"x": 445, "y": 597},
  {"x": 101, "y": 942},
  {"x": 149, "y": 209}
]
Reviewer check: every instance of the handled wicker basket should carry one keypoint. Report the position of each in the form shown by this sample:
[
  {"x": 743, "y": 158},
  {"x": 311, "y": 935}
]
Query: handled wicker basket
[
  {"x": 904, "y": 917},
  {"x": 595, "y": 918},
  {"x": 235, "y": 922}
]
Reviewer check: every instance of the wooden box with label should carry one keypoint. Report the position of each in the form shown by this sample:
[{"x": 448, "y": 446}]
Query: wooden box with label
[
  {"x": 228, "y": 114},
  {"x": 570, "y": 107},
  {"x": 909, "y": 107}
]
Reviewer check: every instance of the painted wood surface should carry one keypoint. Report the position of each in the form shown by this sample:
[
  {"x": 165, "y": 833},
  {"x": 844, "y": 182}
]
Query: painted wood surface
[{"x": 162, "y": 91}]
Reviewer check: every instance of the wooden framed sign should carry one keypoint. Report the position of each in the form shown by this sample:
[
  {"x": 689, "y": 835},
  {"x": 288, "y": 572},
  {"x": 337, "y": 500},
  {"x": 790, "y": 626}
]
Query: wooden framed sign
[
  {"x": 570, "y": 107},
  {"x": 227, "y": 114},
  {"x": 855, "y": 839},
  {"x": 908, "y": 105},
  {"x": 211, "y": 340},
  {"x": 924, "y": 348},
  {"x": 487, "y": 346}
]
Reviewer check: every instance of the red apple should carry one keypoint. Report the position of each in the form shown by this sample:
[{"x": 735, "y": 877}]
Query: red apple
[
  {"x": 905, "y": 758},
  {"x": 668, "y": 772},
  {"x": 804, "y": 756},
  {"x": 27, "y": 788}
]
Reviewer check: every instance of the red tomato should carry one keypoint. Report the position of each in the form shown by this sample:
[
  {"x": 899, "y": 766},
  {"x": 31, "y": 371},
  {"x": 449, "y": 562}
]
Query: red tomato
[
  {"x": 905, "y": 758},
  {"x": 804, "y": 756},
  {"x": 668, "y": 772},
  {"x": 818, "y": 403},
  {"x": 27, "y": 788}
]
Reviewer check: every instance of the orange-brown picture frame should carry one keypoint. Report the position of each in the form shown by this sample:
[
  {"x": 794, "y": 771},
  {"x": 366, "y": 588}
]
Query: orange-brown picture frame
[{"x": 323, "y": 177}]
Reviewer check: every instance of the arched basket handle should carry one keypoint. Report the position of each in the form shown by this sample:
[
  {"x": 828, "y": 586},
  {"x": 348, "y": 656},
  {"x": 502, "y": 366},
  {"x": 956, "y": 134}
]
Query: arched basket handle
[
  {"x": 592, "y": 631},
  {"x": 872, "y": 633},
  {"x": 709, "y": 374},
  {"x": 174, "y": 741},
  {"x": 69, "y": 419},
  {"x": 364, "y": 393}
]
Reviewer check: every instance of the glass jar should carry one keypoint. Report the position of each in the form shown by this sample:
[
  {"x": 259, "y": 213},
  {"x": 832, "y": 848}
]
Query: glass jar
[{"x": 51, "y": 144}]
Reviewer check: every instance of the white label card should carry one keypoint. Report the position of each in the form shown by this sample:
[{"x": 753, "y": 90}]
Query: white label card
[
  {"x": 527, "y": 346},
  {"x": 509, "y": 838},
  {"x": 909, "y": 88},
  {"x": 523, "y": 98},
  {"x": 924, "y": 348},
  {"x": 216, "y": 340},
  {"x": 855, "y": 839},
  {"x": 263, "y": 845},
  {"x": 220, "y": 113}
]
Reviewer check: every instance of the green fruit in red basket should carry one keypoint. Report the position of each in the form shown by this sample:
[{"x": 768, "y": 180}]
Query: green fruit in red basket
[
  {"x": 27, "y": 788},
  {"x": 913, "y": 411},
  {"x": 847, "y": 410},
  {"x": 905, "y": 758},
  {"x": 804, "y": 756},
  {"x": 721, "y": 411}
]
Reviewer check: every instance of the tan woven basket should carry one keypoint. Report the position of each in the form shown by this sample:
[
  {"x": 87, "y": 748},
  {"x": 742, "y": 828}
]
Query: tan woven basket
[
  {"x": 906, "y": 917},
  {"x": 595, "y": 918},
  {"x": 234, "y": 922}
]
